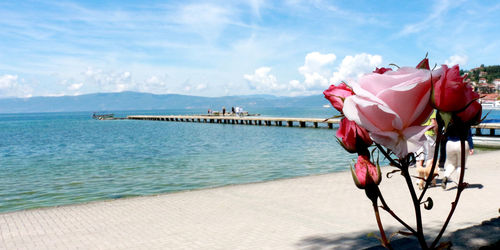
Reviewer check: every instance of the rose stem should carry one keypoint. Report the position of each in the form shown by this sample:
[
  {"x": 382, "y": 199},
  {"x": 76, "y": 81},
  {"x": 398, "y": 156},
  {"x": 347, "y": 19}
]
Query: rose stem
[
  {"x": 434, "y": 162},
  {"x": 416, "y": 205},
  {"x": 460, "y": 188},
  {"x": 388, "y": 209},
  {"x": 387, "y": 156},
  {"x": 385, "y": 243}
]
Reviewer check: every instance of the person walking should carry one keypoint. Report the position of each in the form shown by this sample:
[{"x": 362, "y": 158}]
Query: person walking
[{"x": 453, "y": 151}]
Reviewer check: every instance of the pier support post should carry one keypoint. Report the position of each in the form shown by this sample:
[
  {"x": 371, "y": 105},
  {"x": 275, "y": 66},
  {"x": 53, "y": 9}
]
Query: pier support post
[
  {"x": 315, "y": 124},
  {"x": 260, "y": 122},
  {"x": 290, "y": 123},
  {"x": 330, "y": 125},
  {"x": 478, "y": 131},
  {"x": 492, "y": 131},
  {"x": 302, "y": 124}
]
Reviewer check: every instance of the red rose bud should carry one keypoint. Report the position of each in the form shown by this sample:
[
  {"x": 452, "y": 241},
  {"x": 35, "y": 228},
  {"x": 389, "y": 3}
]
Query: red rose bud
[
  {"x": 472, "y": 114},
  {"x": 381, "y": 70},
  {"x": 352, "y": 137},
  {"x": 424, "y": 64},
  {"x": 450, "y": 93},
  {"x": 365, "y": 172},
  {"x": 337, "y": 94}
]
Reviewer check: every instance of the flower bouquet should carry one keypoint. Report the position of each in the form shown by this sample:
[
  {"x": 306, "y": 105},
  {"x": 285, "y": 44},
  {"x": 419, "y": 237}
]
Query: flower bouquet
[{"x": 385, "y": 111}]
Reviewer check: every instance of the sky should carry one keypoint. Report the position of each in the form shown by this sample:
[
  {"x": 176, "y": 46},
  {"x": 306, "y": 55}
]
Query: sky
[{"x": 239, "y": 47}]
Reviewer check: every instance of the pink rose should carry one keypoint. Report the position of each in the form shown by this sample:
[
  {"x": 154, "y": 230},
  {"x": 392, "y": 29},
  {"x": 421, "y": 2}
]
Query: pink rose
[
  {"x": 365, "y": 172},
  {"x": 451, "y": 93},
  {"x": 391, "y": 106},
  {"x": 337, "y": 94},
  {"x": 381, "y": 70},
  {"x": 472, "y": 114},
  {"x": 353, "y": 137}
]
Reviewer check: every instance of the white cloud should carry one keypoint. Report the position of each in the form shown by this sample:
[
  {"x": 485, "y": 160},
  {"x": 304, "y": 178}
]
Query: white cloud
[
  {"x": 110, "y": 81},
  {"x": 315, "y": 70},
  {"x": 153, "y": 84},
  {"x": 11, "y": 87},
  {"x": 261, "y": 80},
  {"x": 75, "y": 86},
  {"x": 201, "y": 86},
  {"x": 318, "y": 73},
  {"x": 8, "y": 81},
  {"x": 457, "y": 59},
  {"x": 352, "y": 67}
]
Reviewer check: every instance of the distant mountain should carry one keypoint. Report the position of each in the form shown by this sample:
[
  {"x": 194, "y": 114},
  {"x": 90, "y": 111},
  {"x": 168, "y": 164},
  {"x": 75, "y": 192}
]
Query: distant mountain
[{"x": 146, "y": 101}]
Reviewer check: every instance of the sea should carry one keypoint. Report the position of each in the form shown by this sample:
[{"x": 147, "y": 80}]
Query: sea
[{"x": 51, "y": 159}]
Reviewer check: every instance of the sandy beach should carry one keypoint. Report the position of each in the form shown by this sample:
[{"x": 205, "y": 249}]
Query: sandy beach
[{"x": 315, "y": 212}]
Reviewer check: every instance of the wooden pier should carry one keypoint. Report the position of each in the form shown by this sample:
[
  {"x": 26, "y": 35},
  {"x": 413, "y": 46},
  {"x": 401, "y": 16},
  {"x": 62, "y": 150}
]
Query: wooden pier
[
  {"x": 246, "y": 120},
  {"x": 274, "y": 121}
]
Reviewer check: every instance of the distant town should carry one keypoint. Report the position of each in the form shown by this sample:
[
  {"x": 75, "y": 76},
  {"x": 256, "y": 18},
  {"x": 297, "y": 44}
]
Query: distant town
[{"x": 486, "y": 81}]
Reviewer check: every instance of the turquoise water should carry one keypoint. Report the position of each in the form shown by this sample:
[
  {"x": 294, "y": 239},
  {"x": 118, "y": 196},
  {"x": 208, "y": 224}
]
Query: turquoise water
[{"x": 65, "y": 158}]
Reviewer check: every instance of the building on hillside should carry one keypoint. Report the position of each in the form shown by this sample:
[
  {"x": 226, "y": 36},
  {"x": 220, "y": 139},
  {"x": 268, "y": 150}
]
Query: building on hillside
[
  {"x": 485, "y": 88},
  {"x": 497, "y": 83}
]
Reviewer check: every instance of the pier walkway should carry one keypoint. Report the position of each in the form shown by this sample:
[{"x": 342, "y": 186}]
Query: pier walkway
[{"x": 247, "y": 120}]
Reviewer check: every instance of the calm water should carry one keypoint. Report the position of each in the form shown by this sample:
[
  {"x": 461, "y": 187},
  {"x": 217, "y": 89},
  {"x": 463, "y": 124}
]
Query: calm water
[{"x": 63, "y": 158}]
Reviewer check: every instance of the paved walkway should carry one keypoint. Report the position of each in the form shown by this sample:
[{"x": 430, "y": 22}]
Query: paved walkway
[{"x": 325, "y": 211}]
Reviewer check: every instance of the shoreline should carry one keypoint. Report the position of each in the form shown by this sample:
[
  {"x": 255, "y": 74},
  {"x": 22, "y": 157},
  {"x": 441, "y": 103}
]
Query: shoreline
[
  {"x": 482, "y": 150},
  {"x": 325, "y": 210}
]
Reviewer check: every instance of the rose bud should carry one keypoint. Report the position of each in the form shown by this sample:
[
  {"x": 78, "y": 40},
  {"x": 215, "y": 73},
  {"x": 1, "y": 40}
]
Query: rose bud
[
  {"x": 472, "y": 114},
  {"x": 450, "y": 93},
  {"x": 365, "y": 172},
  {"x": 381, "y": 70},
  {"x": 353, "y": 137},
  {"x": 424, "y": 64},
  {"x": 337, "y": 94}
]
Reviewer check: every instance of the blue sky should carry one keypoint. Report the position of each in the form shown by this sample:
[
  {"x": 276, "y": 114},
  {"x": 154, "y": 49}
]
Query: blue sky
[{"x": 217, "y": 48}]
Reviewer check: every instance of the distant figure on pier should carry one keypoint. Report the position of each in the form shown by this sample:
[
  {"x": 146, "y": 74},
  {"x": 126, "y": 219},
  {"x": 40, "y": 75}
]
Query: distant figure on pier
[
  {"x": 209, "y": 111},
  {"x": 223, "y": 111},
  {"x": 232, "y": 110}
]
